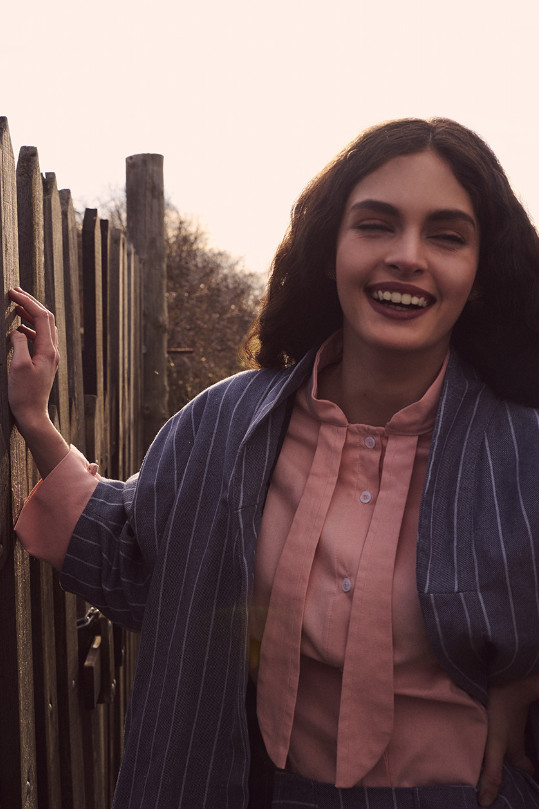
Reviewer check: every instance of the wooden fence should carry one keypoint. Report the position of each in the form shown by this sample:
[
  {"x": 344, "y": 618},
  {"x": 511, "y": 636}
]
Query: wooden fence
[{"x": 65, "y": 670}]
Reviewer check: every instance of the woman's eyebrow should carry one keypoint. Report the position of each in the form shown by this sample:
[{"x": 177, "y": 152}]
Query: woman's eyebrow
[
  {"x": 376, "y": 205},
  {"x": 452, "y": 213},
  {"x": 444, "y": 214}
]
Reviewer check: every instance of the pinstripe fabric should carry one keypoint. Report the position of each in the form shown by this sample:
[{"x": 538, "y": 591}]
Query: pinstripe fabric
[
  {"x": 293, "y": 792},
  {"x": 478, "y": 541},
  {"x": 171, "y": 553}
]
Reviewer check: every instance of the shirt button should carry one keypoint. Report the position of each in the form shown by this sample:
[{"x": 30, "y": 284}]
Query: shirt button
[
  {"x": 370, "y": 442},
  {"x": 346, "y": 585},
  {"x": 365, "y": 497}
]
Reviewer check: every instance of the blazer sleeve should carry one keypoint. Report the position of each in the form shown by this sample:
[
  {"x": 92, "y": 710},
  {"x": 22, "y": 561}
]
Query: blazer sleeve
[
  {"x": 115, "y": 543},
  {"x": 103, "y": 563}
]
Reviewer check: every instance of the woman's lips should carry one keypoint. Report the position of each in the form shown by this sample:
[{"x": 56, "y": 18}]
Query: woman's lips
[
  {"x": 400, "y": 297},
  {"x": 404, "y": 301}
]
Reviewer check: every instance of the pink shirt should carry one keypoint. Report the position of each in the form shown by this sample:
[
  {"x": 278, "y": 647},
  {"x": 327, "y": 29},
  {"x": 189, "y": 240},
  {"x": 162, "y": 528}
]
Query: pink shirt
[
  {"x": 349, "y": 690},
  {"x": 51, "y": 513}
]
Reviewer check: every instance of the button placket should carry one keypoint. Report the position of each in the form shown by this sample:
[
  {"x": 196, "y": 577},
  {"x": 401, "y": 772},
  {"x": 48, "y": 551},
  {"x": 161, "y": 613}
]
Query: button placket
[{"x": 367, "y": 694}]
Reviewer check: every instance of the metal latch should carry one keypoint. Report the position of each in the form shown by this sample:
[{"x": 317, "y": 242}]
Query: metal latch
[{"x": 96, "y": 658}]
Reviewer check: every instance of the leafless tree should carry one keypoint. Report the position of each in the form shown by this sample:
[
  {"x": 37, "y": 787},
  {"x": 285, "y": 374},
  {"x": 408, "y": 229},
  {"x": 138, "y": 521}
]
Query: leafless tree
[{"x": 212, "y": 300}]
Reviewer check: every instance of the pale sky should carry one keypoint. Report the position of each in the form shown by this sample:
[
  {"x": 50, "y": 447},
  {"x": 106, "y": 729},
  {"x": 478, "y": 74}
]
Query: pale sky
[{"x": 248, "y": 100}]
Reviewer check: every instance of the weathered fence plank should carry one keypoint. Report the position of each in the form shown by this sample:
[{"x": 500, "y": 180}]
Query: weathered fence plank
[
  {"x": 135, "y": 359},
  {"x": 92, "y": 353},
  {"x": 129, "y": 385},
  {"x": 69, "y": 700},
  {"x": 54, "y": 292},
  {"x": 72, "y": 297},
  {"x": 115, "y": 360},
  {"x": 45, "y": 686},
  {"x": 17, "y": 745},
  {"x": 108, "y": 312},
  {"x": 67, "y": 654},
  {"x": 30, "y": 222},
  {"x": 30, "y": 229},
  {"x": 146, "y": 232}
]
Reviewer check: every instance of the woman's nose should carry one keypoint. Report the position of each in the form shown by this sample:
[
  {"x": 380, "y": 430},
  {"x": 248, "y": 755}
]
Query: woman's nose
[{"x": 407, "y": 253}]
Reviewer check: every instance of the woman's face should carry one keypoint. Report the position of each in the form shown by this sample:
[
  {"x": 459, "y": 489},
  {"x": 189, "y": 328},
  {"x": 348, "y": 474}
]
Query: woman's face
[{"x": 407, "y": 253}]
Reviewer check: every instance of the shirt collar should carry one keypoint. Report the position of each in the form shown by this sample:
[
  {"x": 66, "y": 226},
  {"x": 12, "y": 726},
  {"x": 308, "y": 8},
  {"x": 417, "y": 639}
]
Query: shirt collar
[{"x": 414, "y": 419}]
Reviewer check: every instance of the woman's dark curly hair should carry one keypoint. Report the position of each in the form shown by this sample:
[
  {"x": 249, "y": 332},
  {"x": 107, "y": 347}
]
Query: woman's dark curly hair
[{"x": 498, "y": 333}]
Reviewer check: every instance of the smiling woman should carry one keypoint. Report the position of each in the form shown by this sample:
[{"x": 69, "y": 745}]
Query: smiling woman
[
  {"x": 333, "y": 558},
  {"x": 498, "y": 328}
]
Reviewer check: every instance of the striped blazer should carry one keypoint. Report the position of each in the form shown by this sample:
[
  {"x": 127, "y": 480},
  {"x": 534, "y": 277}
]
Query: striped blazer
[{"x": 171, "y": 553}]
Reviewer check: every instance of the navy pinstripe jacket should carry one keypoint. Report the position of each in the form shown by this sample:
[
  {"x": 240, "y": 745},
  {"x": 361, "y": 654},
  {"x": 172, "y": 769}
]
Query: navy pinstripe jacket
[{"x": 171, "y": 552}]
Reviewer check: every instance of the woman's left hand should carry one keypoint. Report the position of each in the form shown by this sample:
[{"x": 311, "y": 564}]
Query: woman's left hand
[{"x": 507, "y": 711}]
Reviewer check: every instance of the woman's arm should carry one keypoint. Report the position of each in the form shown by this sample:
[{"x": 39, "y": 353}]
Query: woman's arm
[
  {"x": 31, "y": 378},
  {"x": 508, "y": 708},
  {"x": 105, "y": 566}
]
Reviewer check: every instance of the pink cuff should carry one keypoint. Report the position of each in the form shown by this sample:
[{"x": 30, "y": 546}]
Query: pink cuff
[{"x": 50, "y": 514}]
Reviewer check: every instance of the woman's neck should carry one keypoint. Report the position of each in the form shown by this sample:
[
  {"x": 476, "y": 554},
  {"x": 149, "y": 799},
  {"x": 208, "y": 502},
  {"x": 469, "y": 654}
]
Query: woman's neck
[{"x": 371, "y": 389}]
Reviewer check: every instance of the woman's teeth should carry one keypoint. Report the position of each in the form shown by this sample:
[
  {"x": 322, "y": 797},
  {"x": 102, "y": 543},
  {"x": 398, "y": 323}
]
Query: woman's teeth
[{"x": 402, "y": 299}]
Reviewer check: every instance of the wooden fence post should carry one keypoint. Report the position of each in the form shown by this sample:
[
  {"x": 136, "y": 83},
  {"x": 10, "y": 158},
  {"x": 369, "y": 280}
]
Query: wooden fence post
[
  {"x": 17, "y": 746},
  {"x": 146, "y": 231}
]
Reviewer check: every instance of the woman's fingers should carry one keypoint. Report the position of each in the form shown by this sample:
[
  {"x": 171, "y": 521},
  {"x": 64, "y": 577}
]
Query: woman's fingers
[
  {"x": 23, "y": 314},
  {"x": 44, "y": 331},
  {"x": 20, "y": 345},
  {"x": 27, "y": 301},
  {"x": 507, "y": 709},
  {"x": 30, "y": 333}
]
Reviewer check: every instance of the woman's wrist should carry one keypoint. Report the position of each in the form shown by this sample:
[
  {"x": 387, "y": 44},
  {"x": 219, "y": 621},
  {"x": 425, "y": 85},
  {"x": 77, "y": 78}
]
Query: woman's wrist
[
  {"x": 46, "y": 444},
  {"x": 32, "y": 423}
]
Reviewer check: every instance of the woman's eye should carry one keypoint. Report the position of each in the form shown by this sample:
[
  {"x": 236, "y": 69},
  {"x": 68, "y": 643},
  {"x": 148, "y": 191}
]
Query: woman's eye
[
  {"x": 373, "y": 227},
  {"x": 451, "y": 238}
]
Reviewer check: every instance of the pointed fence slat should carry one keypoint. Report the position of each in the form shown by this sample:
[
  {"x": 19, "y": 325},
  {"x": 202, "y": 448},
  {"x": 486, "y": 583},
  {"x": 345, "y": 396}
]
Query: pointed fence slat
[
  {"x": 108, "y": 309},
  {"x": 30, "y": 227},
  {"x": 115, "y": 360},
  {"x": 72, "y": 297},
  {"x": 54, "y": 292},
  {"x": 30, "y": 215},
  {"x": 92, "y": 353}
]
